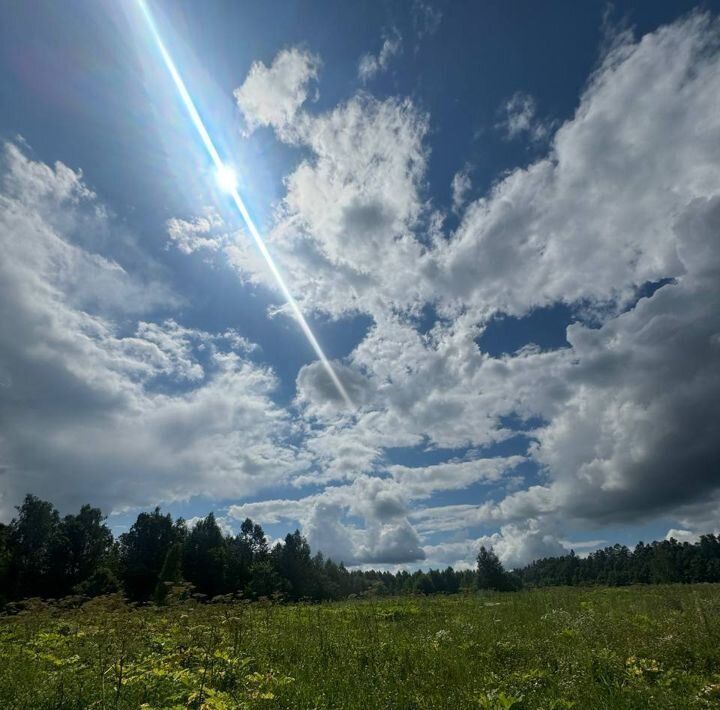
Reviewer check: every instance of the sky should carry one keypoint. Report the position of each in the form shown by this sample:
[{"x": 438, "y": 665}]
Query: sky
[{"x": 501, "y": 221}]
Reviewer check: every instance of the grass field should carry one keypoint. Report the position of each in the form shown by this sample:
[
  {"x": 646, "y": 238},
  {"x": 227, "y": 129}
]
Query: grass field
[{"x": 638, "y": 647}]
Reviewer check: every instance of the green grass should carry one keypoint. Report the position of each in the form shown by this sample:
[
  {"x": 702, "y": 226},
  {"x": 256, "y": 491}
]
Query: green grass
[{"x": 638, "y": 647}]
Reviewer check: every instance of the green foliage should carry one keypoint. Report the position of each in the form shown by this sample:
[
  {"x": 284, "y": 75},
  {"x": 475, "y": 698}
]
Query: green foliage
[
  {"x": 170, "y": 574},
  {"x": 490, "y": 572},
  {"x": 660, "y": 562},
  {"x": 293, "y": 563},
  {"x": 87, "y": 545},
  {"x": 204, "y": 557},
  {"x": 5, "y": 559},
  {"x": 562, "y": 648},
  {"x": 143, "y": 550},
  {"x": 101, "y": 581},
  {"x": 33, "y": 538},
  {"x": 44, "y": 555}
]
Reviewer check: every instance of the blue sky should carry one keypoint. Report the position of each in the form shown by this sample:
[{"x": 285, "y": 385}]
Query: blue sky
[{"x": 499, "y": 219}]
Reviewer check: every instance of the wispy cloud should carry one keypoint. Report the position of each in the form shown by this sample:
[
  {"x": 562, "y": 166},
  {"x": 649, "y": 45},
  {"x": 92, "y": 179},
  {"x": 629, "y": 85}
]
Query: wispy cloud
[
  {"x": 370, "y": 65},
  {"x": 519, "y": 117}
]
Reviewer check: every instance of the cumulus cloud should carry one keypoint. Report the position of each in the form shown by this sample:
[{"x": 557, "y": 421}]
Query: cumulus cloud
[
  {"x": 630, "y": 408},
  {"x": 355, "y": 196},
  {"x": 622, "y": 420},
  {"x": 636, "y": 434},
  {"x": 570, "y": 227},
  {"x": 386, "y": 535},
  {"x": 315, "y": 387},
  {"x": 627, "y": 195},
  {"x": 595, "y": 218},
  {"x": 205, "y": 233},
  {"x": 515, "y": 545},
  {"x": 437, "y": 387},
  {"x": 421, "y": 481},
  {"x": 271, "y": 96},
  {"x": 225, "y": 525},
  {"x": 682, "y": 535},
  {"x": 86, "y": 404}
]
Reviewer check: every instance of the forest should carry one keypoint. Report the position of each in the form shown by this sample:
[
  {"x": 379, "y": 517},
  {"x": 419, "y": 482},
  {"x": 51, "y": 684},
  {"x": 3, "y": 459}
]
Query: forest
[{"x": 46, "y": 555}]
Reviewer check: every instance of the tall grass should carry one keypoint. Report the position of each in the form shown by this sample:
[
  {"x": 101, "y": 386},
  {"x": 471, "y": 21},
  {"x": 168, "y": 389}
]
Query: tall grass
[{"x": 637, "y": 647}]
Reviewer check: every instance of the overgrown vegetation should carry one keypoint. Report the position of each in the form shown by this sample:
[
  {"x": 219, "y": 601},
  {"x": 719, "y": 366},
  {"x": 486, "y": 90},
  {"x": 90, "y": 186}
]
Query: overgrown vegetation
[
  {"x": 634, "y": 647},
  {"x": 125, "y": 624}
]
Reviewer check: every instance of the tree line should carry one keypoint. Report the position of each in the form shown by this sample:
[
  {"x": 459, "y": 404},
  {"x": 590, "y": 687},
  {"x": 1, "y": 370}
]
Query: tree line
[
  {"x": 45, "y": 555},
  {"x": 659, "y": 562}
]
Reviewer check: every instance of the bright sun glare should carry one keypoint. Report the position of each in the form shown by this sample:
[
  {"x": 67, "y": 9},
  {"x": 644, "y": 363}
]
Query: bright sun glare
[
  {"x": 227, "y": 181},
  {"x": 226, "y": 178}
]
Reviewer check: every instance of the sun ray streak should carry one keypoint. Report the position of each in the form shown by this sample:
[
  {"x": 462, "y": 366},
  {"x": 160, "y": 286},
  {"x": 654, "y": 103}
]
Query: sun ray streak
[{"x": 222, "y": 169}]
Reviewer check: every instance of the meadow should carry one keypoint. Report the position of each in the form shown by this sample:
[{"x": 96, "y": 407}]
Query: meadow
[{"x": 632, "y": 647}]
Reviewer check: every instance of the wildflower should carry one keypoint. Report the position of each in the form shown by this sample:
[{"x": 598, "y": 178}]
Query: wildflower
[
  {"x": 642, "y": 667},
  {"x": 711, "y": 691}
]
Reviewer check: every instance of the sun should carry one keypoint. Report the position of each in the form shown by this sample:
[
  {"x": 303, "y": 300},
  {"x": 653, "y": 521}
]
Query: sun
[{"x": 226, "y": 178}]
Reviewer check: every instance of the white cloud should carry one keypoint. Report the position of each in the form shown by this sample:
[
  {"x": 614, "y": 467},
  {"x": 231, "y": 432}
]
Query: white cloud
[
  {"x": 436, "y": 387},
  {"x": 644, "y": 395},
  {"x": 426, "y": 18},
  {"x": 225, "y": 525},
  {"x": 422, "y": 481},
  {"x": 271, "y": 96},
  {"x": 590, "y": 221},
  {"x": 370, "y": 65},
  {"x": 682, "y": 535},
  {"x": 202, "y": 233},
  {"x": 515, "y": 545},
  {"x": 316, "y": 387},
  {"x": 520, "y": 117},
  {"x": 633, "y": 402},
  {"x": 628, "y": 193},
  {"x": 461, "y": 185},
  {"x": 86, "y": 410},
  {"x": 325, "y": 531},
  {"x": 357, "y": 196},
  {"x": 386, "y": 535},
  {"x": 595, "y": 218}
]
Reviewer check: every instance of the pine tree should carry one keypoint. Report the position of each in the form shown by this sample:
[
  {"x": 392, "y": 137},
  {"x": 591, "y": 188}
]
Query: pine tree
[{"x": 490, "y": 572}]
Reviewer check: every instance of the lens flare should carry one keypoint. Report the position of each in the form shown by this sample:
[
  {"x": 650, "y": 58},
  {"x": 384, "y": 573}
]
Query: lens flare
[{"x": 226, "y": 180}]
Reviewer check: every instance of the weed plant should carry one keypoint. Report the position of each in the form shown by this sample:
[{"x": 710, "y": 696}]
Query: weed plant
[{"x": 633, "y": 647}]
